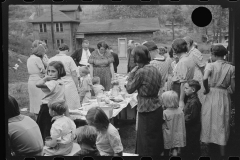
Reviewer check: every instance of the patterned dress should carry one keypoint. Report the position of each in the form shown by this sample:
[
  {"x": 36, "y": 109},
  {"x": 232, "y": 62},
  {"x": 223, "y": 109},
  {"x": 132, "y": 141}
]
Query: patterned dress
[
  {"x": 197, "y": 58},
  {"x": 101, "y": 67},
  {"x": 217, "y": 104},
  {"x": 71, "y": 93}
]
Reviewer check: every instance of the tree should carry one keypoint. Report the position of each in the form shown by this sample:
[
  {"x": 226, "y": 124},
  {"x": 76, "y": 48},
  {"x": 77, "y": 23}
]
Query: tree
[{"x": 174, "y": 15}]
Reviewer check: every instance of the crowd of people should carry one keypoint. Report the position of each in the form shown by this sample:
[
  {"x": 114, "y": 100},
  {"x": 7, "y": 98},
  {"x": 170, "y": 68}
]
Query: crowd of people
[{"x": 183, "y": 101}]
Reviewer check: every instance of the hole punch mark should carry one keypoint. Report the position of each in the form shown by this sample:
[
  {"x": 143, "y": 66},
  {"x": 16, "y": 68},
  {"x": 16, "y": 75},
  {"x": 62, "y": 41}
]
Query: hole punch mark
[
  {"x": 28, "y": 1},
  {"x": 30, "y": 158},
  {"x": 58, "y": 1},
  {"x": 145, "y": 0},
  {"x": 58, "y": 158},
  {"x": 117, "y": 158},
  {"x": 197, "y": 15},
  {"x": 203, "y": 0},
  {"x": 174, "y": 0},
  {"x": 116, "y": 0}
]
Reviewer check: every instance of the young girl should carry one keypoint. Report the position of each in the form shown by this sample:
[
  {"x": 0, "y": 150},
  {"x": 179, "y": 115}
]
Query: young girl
[
  {"x": 53, "y": 87},
  {"x": 85, "y": 86},
  {"x": 174, "y": 132},
  {"x": 218, "y": 81},
  {"x": 108, "y": 139},
  {"x": 62, "y": 131},
  {"x": 97, "y": 87}
]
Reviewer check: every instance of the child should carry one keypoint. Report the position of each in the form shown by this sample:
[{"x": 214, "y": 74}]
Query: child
[
  {"x": 86, "y": 138},
  {"x": 97, "y": 87},
  {"x": 62, "y": 131},
  {"x": 53, "y": 87},
  {"x": 108, "y": 140},
  {"x": 192, "y": 113},
  {"x": 85, "y": 85},
  {"x": 174, "y": 132}
]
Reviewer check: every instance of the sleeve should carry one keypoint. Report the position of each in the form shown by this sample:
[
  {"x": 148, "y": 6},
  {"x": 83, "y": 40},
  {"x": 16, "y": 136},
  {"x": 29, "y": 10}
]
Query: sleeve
[
  {"x": 51, "y": 84},
  {"x": 233, "y": 73},
  {"x": 182, "y": 71},
  {"x": 134, "y": 82},
  {"x": 73, "y": 66},
  {"x": 39, "y": 63},
  {"x": 115, "y": 141},
  {"x": 56, "y": 131},
  {"x": 198, "y": 59},
  {"x": 89, "y": 81}
]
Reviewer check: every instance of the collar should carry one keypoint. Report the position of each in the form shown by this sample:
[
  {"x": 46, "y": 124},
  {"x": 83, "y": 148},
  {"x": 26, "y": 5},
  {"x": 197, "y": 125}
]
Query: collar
[
  {"x": 57, "y": 117},
  {"x": 16, "y": 118},
  {"x": 159, "y": 58}
]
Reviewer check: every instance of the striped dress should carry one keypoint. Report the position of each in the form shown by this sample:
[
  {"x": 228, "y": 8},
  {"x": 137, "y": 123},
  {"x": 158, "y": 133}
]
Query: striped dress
[{"x": 101, "y": 67}]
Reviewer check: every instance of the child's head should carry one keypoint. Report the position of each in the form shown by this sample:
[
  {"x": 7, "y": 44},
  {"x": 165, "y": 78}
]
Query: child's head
[
  {"x": 86, "y": 135},
  {"x": 56, "y": 69},
  {"x": 218, "y": 51},
  {"x": 83, "y": 71},
  {"x": 57, "y": 108},
  {"x": 95, "y": 80},
  {"x": 170, "y": 99},
  {"x": 192, "y": 86},
  {"x": 97, "y": 118}
]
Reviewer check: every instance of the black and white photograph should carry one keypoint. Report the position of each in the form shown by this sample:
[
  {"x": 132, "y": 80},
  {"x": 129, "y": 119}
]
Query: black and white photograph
[{"x": 122, "y": 80}]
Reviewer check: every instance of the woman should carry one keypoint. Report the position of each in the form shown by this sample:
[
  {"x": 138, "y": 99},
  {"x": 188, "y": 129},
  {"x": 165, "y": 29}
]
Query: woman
[
  {"x": 70, "y": 80},
  {"x": 184, "y": 69},
  {"x": 220, "y": 77},
  {"x": 101, "y": 65},
  {"x": 146, "y": 79},
  {"x": 199, "y": 62},
  {"x": 24, "y": 134},
  {"x": 36, "y": 69}
]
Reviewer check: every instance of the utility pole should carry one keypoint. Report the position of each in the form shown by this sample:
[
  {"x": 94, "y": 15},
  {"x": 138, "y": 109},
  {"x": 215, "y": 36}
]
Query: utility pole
[{"x": 53, "y": 41}]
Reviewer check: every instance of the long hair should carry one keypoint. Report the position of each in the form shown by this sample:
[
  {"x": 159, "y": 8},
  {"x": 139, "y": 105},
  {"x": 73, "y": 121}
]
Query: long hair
[
  {"x": 170, "y": 99},
  {"x": 12, "y": 109},
  {"x": 96, "y": 117},
  {"x": 141, "y": 54},
  {"x": 59, "y": 67}
]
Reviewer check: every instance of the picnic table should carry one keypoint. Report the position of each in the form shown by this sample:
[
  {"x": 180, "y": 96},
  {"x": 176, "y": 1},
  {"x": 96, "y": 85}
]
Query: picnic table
[{"x": 128, "y": 101}]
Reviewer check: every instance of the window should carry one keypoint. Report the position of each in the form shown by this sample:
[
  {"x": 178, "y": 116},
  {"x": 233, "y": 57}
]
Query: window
[
  {"x": 59, "y": 42},
  {"x": 59, "y": 27},
  {"x": 43, "y": 27}
]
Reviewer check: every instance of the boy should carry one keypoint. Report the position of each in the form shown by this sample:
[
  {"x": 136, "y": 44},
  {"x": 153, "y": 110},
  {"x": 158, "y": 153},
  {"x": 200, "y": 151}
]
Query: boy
[
  {"x": 85, "y": 85},
  {"x": 97, "y": 87},
  {"x": 86, "y": 138},
  {"x": 192, "y": 112}
]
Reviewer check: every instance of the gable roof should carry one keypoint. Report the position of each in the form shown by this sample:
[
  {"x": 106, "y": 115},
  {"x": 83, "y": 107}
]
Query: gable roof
[
  {"x": 119, "y": 26},
  {"x": 58, "y": 16},
  {"x": 70, "y": 8}
]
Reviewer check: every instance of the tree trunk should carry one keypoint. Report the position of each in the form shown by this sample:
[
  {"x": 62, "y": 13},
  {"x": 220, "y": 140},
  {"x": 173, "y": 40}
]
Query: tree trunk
[
  {"x": 173, "y": 30},
  {"x": 53, "y": 41}
]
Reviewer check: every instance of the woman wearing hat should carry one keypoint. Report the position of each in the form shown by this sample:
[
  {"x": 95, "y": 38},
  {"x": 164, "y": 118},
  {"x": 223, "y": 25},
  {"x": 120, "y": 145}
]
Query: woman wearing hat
[
  {"x": 70, "y": 80},
  {"x": 36, "y": 68},
  {"x": 219, "y": 81}
]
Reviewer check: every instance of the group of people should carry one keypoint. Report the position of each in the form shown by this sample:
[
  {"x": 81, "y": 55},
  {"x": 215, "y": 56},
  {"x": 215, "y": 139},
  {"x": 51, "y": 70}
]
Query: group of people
[{"x": 182, "y": 100}]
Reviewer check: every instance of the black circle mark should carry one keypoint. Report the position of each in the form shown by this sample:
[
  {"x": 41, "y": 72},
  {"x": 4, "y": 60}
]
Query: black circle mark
[
  {"x": 201, "y": 16},
  {"x": 28, "y": 1}
]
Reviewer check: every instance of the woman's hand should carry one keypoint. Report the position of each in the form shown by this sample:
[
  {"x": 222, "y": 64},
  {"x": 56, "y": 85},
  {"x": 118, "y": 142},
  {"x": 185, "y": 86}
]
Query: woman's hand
[
  {"x": 45, "y": 60},
  {"x": 49, "y": 78},
  {"x": 181, "y": 105}
]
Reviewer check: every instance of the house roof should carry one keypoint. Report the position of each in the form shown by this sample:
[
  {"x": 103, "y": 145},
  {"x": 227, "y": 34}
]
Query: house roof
[
  {"x": 58, "y": 16},
  {"x": 70, "y": 8},
  {"x": 119, "y": 25}
]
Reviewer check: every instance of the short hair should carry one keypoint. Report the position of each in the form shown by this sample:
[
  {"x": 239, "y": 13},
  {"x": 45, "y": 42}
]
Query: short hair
[
  {"x": 84, "y": 70},
  {"x": 170, "y": 52},
  {"x": 188, "y": 40},
  {"x": 85, "y": 41},
  {"x": 86, "y": 135},
  {"x": 95, "y": 80},
  {"x": 179, "y": 45},
  {"x": 131, "y": 42},
  {"x": 170, "y": 99},
  {"x": 102, "y": 44},
  {"x": 218, "y": 50},
  {"x": 97, "y": 118},
  {"x": 58, "y": 106},
  {"x": 63, "y": 47},
  {"x": 162, "y": 50},
  {"x": 12, "y": 110},
  {"x": 58, "y": 65},
  {"x": 194, "y": 84},
  {"x": 141, "y": 54}
]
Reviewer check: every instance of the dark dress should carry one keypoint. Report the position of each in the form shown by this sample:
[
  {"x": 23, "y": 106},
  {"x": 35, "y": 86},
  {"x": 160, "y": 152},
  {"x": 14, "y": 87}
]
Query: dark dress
[
  {"x": 192, "y": 112},
  {"x": 116, "y": 61},
  {"x": 101, "y": 68},
  {"x": 131, "y": 63}
]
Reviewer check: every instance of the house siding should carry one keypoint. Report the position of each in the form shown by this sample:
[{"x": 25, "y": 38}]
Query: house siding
[{"x": 112, "y": 39}]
